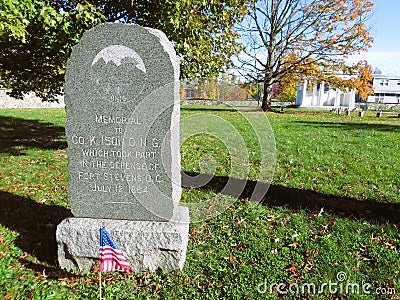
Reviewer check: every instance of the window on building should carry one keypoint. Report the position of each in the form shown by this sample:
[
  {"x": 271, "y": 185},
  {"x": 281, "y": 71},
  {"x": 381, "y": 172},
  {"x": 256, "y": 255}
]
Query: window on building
[
  {"x": 398, "y": 82},
  {"x": 379, "y": 98},
  {"x": 384, "y": 82},
  {"x": 398, "y": 98},
  {"x": 189, "y": 93}
]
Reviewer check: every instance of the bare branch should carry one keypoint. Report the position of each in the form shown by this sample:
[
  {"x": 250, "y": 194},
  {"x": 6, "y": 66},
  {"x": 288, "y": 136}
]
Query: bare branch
[{"x": 299, "y": 37}]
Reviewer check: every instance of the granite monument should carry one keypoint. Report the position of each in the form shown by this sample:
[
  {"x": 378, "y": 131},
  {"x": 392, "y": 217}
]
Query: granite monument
[{"x": 122, "y": 104}]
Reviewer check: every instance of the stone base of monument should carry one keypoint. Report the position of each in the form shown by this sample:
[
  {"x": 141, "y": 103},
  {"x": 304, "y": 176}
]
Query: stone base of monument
[{"x": 147, "y": 245}]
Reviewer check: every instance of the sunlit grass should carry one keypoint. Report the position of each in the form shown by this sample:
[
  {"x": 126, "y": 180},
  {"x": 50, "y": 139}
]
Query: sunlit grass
[{"x": 320, "y": 156}]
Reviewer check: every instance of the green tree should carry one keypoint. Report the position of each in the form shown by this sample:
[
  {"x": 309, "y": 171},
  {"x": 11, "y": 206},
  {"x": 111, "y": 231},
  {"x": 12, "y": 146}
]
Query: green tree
[
  {"x": 13, "y": 21},
  {"x": 37, "y": 42},
  {"x": 35, "y": 49},
  {"x": 283, "y": 36},
  {"x": 202, "y": 31}
]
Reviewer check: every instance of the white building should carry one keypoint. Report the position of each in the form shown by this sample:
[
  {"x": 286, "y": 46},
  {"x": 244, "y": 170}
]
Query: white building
[
  {"x": 386, "y": 89},
  {"x": 323, "y": 96}
]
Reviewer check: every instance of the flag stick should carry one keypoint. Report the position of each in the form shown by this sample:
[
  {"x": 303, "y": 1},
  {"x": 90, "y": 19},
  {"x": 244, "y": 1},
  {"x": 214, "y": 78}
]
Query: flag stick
[
  {"x": 100, "y": 284},
  {"x": 100, "y": 268}
]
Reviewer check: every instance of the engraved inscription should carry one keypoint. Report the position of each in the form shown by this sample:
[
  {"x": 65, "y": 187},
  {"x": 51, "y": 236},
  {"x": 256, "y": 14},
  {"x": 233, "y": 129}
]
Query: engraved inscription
[
  {"x": 103, "y": 163},
  {"x": 103, "y": 119}
]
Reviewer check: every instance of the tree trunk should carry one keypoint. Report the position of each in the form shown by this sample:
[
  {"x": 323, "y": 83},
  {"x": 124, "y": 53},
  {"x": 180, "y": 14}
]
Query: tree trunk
[{"x": 267, "y": 97}]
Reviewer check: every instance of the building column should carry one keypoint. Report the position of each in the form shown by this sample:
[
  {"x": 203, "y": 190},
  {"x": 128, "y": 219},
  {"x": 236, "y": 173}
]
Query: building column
[
  {"x": 328, "y": 98},
  {"x": 337, "y": 98},
  {"x": 321, "y": 93},
  {"x": 301, "y": 92},
  {"x": 314, "y": 95},
  {"x": 352, "y": 100},
  {"x": 305, "y": 86}
]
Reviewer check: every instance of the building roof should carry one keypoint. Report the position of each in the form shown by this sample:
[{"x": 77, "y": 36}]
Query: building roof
[{"x": 394, "y": 77}]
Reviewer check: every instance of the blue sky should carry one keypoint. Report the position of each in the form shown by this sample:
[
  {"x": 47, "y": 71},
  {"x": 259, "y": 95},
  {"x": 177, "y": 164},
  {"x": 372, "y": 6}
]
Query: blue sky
[{"x": 385, "y": 52}]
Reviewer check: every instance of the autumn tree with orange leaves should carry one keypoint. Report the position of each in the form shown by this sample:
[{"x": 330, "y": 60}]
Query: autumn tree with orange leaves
[
  {"x": 363, "y": 83},
  {"x": 308, "y": 32}
]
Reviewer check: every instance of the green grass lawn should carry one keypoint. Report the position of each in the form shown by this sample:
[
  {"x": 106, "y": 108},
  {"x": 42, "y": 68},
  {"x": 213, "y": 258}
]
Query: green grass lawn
[{"x": 330, "y": 218}]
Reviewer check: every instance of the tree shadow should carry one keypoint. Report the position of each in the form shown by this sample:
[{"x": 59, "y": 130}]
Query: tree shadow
[
  {"x": 351, "y": 126},
  {"x": 18, "y": 135},
  {"x": 36, "y": 224},
  {"x": 51, "y": 273},
  {"x": 297, "y": 199},
  {"x": 221, "y": 108}
]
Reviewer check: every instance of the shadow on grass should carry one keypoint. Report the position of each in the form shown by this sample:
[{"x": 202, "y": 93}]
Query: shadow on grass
[
  {"x": 51, "y": 273},
  {"x": 351, "y": 126},
  {"x": 17, "y": 135},
  {"x": 296, "y": 199},
  {"x": 36, "y": 224},
  {"x": 217, "y": 108}
]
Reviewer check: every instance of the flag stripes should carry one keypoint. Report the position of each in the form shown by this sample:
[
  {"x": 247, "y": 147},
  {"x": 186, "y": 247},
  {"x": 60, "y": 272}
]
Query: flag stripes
[
  {"x": 112, "y": 260},
  {"x": 111, "y": 257}
]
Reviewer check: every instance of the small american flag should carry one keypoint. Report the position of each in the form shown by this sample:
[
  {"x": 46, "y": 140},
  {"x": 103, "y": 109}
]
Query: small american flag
[{"x": 111, "y": 257}]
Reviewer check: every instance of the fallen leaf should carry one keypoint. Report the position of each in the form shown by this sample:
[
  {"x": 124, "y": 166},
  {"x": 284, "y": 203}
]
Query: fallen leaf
[
  {"x": 230, "y": 258},
  {"x": 320, "y": 212},
  {"x": 292, "y": 269}
]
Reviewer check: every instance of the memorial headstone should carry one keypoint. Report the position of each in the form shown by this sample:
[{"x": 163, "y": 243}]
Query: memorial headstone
[{"x": 122, "y": 103}]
